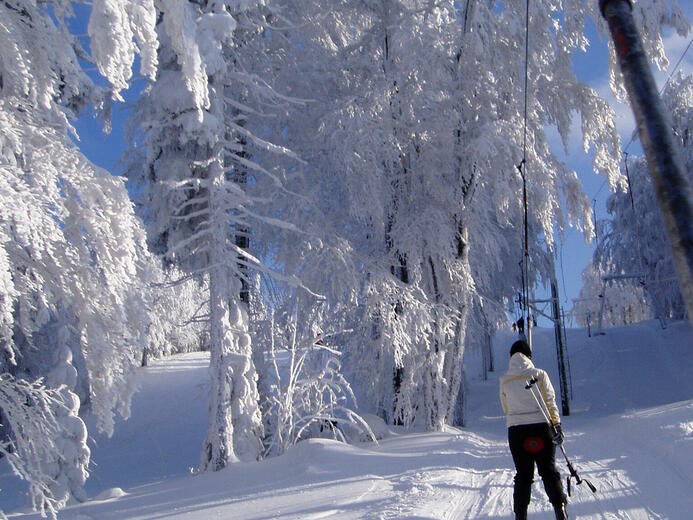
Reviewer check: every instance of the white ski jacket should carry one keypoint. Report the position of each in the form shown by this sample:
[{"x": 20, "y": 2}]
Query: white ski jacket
[{"x": 518, "y": 403}]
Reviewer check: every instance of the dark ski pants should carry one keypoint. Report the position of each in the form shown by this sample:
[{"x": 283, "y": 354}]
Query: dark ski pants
[{"x": 531, "y": 444}]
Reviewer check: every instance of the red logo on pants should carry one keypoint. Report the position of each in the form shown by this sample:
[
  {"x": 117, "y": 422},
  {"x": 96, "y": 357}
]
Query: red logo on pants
[{"x": 533, "y": 445}]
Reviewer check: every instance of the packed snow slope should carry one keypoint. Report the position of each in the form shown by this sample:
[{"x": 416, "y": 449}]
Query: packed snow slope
[{"x": 630, "y": 432}]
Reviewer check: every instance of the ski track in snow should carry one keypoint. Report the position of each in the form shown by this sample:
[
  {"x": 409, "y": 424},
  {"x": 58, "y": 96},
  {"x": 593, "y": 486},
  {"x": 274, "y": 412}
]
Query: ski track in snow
[{"x": 640, "y": 458}]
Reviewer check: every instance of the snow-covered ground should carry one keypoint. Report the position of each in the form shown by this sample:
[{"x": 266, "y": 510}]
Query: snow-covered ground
[{"x": 630, "y": 433}]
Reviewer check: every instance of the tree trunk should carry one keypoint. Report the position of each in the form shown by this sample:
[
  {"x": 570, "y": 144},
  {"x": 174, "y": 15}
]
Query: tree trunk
[
  {"x": 235, "y": 428},
  {"x": 435, "y": 382},
  {"x": 398, "y": 172},
  {"x": 241, "y": 232},
  {"x": 245, "y": 399},
  {"x": 217, "y": 450},
  {"x": 454, "y": 370}
]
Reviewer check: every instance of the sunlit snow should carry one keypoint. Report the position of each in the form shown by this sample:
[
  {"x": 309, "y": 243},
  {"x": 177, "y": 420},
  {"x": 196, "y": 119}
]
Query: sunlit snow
[{"x": 629, "y": 433}]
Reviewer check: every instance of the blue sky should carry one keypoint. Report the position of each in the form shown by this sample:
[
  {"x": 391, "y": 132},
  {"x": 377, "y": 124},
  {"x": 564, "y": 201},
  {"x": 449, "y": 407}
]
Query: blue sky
[
  {"x": 591, "y": 67},
  {"x": 103, "y": 149}
]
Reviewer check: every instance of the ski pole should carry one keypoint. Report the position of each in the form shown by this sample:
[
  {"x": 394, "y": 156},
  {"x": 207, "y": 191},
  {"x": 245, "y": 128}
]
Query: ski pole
[
  {"x": 574, "y": 474},
  {"x": 543, "y": 408},
  {"x": 542, "y": 405}
]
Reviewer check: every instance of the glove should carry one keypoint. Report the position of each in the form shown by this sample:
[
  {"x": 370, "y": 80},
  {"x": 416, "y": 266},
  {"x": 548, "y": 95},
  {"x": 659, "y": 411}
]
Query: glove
[{"x": 557, "y": 434}]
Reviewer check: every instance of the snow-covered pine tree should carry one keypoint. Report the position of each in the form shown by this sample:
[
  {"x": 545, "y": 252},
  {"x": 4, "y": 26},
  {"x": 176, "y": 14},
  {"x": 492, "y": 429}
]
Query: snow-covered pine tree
[{"x": 193, "y": 192}]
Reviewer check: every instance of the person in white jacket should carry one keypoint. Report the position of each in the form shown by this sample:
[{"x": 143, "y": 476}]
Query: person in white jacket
[{"x": 532, "y": 440}]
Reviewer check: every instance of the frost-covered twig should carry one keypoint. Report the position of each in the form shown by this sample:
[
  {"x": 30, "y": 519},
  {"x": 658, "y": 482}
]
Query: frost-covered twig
[{"x": 310, "y": 397}]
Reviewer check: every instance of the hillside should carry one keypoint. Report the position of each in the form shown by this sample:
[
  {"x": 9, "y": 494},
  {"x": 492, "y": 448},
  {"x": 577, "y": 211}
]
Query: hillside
[{"x": 630, "y": 433}]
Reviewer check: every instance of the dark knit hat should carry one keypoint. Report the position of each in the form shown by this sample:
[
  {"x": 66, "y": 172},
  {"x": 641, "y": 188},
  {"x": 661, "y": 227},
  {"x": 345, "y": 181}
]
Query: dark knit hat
[{"x": 522, "y": 347}]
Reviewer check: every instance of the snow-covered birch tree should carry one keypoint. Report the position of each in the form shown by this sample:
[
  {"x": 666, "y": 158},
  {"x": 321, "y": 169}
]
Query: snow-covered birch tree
[
  {"x": 69, "y": 240},
  {"x": 412, "y": 136},
  {"x": 632, "y": 241}
]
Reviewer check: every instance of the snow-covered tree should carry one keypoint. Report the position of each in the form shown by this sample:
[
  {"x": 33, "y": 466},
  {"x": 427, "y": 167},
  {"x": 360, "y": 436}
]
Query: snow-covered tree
[
  {"x": 633, "y": 242},
  {"x": 197, "y": 153},
  {"x": 412, "y": 133},
  {"x": 28, "y": 412},
  {"x": 307, "y": 395},
  {"x": 177, "y": 314},
  {"x": 620, "y": 301},
  {"x": 70, "y": 243},
  {"x": 73, "y": 245},
  {"x": 368, "y": 208},
  {"x": 69, "y": 470}
]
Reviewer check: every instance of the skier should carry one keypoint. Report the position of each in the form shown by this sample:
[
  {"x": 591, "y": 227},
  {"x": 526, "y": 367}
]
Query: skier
[
  {"x": 521, "y": 325},
  {"x": 532, "y": 441}
]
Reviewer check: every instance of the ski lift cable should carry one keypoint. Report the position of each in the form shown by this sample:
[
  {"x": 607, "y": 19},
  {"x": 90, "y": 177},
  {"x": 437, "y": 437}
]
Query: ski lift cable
[
  {"x": 565, "y": 291},
  {"x": 524, "y": 135}
]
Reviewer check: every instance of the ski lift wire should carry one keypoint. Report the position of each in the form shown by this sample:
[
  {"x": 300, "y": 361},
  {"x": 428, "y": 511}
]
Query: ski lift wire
[
  {"x": 676, "y": 66},
  {"x": 594, "y": 197},
  {"x": 565, "y": 291}
]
